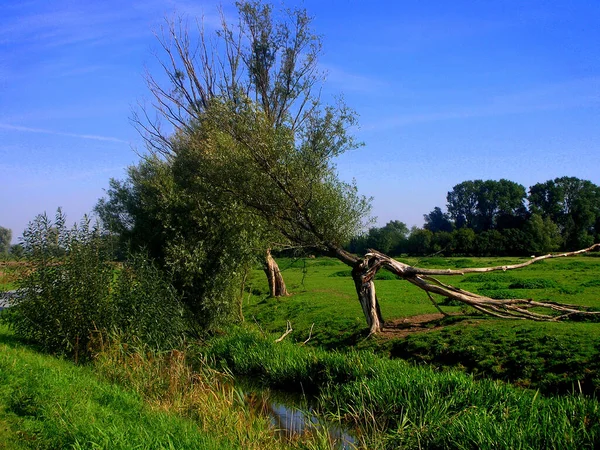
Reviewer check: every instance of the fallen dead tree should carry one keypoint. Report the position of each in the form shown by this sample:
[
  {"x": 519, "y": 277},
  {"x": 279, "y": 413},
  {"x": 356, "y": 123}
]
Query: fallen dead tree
[{"x": 373, "y": 261}]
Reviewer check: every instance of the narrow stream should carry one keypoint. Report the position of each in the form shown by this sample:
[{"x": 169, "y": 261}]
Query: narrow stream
[{"x": 293, "y": 415}]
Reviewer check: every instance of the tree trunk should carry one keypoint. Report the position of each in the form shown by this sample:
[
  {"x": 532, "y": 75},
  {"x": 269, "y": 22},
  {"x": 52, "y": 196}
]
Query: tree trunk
[
  {"x": 365, "y": 288},
  {"x": 362, "y": 274},
  {"x": 276, "y": 284}
]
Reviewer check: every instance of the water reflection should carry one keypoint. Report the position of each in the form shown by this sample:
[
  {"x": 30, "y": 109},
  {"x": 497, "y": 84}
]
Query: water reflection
[{"x": 293, "y": 416}]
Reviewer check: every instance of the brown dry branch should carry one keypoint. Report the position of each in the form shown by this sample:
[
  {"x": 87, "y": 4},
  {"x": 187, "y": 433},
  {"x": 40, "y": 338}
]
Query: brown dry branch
[{"x": 506, "y": 309}]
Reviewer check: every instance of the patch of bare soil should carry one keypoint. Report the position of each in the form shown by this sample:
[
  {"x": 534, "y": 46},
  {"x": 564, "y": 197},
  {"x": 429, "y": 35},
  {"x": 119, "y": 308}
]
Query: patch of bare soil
[{"x": 400, "y": 328}]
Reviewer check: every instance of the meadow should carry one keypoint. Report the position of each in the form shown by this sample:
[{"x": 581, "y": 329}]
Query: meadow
[{"x": 556, "y": 358}]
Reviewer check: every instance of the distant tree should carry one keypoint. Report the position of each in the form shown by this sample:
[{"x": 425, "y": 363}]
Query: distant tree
[
  {"x": 516, "y": 242},
  {"x": 485, "y": 205},
  {"x": 388, "y": 239},
  {"x": 501, "y": 204},
  {"x": 462, "y": 203},
  {"x": 543, "y": 235},
  {"x": 437, "y": 220},
  {"x": 443, "y": 243},
  {"x": 572, "y": 204},
  {"x": 489, "y": 243},
  {"x": 464, "y": 241},
  {"x": 5, "y": 238},
  {"x": 420, "y": 241}
]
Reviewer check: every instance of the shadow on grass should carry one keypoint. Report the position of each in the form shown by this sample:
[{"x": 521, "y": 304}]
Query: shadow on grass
[{"x": 8, "y": 337}]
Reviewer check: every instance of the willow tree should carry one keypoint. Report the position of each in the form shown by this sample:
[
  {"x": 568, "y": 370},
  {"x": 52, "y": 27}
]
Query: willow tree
[
  {"x": 250, "y": 129},
  {"x": 266, "y": 57}
]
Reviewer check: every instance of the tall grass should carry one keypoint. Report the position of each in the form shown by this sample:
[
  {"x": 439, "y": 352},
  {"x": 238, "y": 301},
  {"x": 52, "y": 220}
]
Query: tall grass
[
  {"x": 417, "y": 407},
  {"x": 182, "y": 382},
  {"x": 47, "y": 403},
  {"x": 131, "y": 396}
]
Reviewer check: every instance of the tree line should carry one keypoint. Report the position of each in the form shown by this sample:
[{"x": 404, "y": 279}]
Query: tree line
[{"x": 497, "y": 218}]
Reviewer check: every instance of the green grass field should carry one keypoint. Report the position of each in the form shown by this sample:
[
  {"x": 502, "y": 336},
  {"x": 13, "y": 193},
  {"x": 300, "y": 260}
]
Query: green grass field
[
  {"x": 395, "y": 404},
  {"x": 553, "y": 357},
  {"x": 129, "y": 397}
]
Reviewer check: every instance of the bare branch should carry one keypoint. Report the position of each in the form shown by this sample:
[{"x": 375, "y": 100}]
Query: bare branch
[
  {"x": 287, "y": 331},
  {"x": 309, "y": 334}
]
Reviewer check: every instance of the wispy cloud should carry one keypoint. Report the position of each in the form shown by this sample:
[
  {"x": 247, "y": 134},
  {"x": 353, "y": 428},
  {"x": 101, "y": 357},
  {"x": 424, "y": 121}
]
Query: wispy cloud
[
  {"x": 355, "y": 82},
  {"x": 6, "y": 126},
  {"x": 578, "y": 93}
]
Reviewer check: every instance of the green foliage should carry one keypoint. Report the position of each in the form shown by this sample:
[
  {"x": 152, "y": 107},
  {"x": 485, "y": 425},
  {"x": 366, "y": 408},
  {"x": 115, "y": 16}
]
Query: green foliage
[
  {"x": 534, "y": 283},
  {"x": 437, "y": 221},
  {"x": 205, "y": 242},
  {"x": 485, "y": 205},
  {"x": 390, "y": 239},
  {"x": 146, "y": 307},
  {"x": 17, "y": 251},
  {"x": 5, "y": 238},
  {"x": 69, "y": 304},
  {"x": 573, "y": 205},
  {"x": 564, "y": 214},
  {"x": 252, "y": 131},
  {"x": 419, "y": 241},
  {"x": 464, "y": 241}
]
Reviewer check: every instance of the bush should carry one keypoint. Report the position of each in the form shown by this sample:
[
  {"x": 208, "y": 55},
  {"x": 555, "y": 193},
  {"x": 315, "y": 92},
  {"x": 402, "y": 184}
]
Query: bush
[
  {"x": 342, "y": 273},
  {"x": 535, "y": 283},
  {"x": 501, "y": 277},
  {"x": 75, "y": 296}
]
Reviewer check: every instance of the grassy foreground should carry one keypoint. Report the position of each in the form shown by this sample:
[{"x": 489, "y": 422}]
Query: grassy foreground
[
  {"x": 128, "y": 398},
  {"x": 399, "y": 405},
  {"x": 47, "y": 403}
]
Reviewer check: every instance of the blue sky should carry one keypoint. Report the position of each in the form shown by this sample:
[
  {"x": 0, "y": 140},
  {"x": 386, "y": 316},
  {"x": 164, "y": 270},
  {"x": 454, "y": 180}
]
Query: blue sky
[{"x": 445, "y": 91}]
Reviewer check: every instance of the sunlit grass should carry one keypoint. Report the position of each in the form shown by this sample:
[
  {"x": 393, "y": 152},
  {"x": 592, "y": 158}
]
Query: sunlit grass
[
  {"x": 51, "y": 403},
  {"x": 129, "y": 397},
  {"x": 554, "y": 357},
  {"x": 405, "y": 406}
]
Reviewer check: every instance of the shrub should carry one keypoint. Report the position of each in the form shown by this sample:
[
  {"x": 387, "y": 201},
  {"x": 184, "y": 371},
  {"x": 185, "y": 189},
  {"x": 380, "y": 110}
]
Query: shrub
[
  {"x": 535, "y": 283},
  {"x": 489, "y": 277},
  {"x": 74, "y": 296}
]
